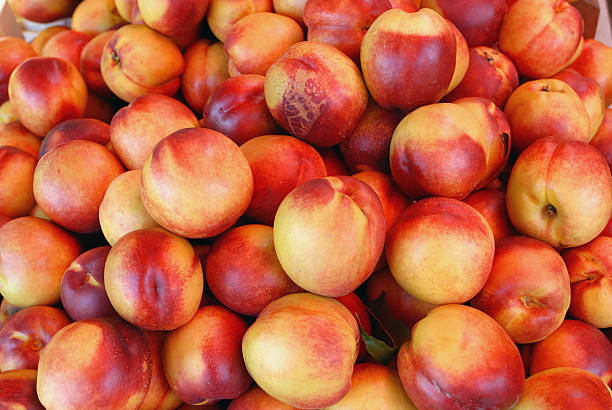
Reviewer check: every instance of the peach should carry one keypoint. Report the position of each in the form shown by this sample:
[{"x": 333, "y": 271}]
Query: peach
[
  {"x": 7, "y": 113},
  {"x": 172, "y": 17},
  {"x": 490, "y": 74},
  {"x": 14, "y": 50},
  {"x": 449, "y": 160},
  {"x": 257, "y": 40},
  {"x": 70, "y": 182},
  {"x": 205, "y": 69},
  {"x": 257, "y": 399},
  {"x": 45, "y": 91},
  {"x": 129, "y": 11},
  {"x": 595, "y": 61},
  {"x": 334, "y": 165},
  {"x": 137, "y": 128},
  {"x": 82, "y": 287},
  {"x": 590, "y": 273},
  {"x": 18, "y": 390},
  {"x": 462, "y": 59},
  {"x": 377, "y": 387},
  {"x": 237, "y": 108},
  {"x": 401, "y": 305},
  {"x": 492, "y": 206},
  {"x": 367, "y": 148},
  {"x": 17, "y": 169},
  {"x": 438, "y": 370},
  {"x": 94, "y": 17},
  {"x": 13, "y": 134},
  {"x": 420, "y": 45},
  {"x": 223, "y": 14},
  {"x": 105, "y": 356},
  {"x": 126, "y": 63},
  {"x": 243, "y": 272},
  {"x": 528, "y": 289},
  {"x": 122, "y": 210},
  {"x": 26, "y": 333},
  {"x": 91, "y": 58},
  {"x": 541, "y": 36},
  {"x": 67, "y": 45},
  {"x": 34, "y": 253},
  {"x": 574, "y": 344},
  {"x": 159, "y": 396},
  {"x": 316, "y": 93},
  {"x": 315, "y": 339},
  {"x": 196, "y": 183},
  {"x": 38, "y": 43},
  {"x": 87, "y": 129},
  {"x": 560, "y": 192},
  {"x": 43, "y": 11},
  {"x": 603, "y": 138},
  {"x": 565, "y": 388},
  {"x": 99, "y": 108},
  {"x": 279, "y": 163},
  {"x": 291, "y": 8},
  {"x": 162, "y": 291},
  {"x": 202, "y": 359},
  {"x": 440, "y": 251},
  {"x": 343, "y": 24},
  {"x": 7, "y": 310},
  {"x": 329, "y": 234}
]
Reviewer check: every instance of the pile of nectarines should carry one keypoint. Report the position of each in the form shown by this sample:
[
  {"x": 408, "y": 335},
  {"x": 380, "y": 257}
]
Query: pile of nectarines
[{"x": 279, "y": 204}]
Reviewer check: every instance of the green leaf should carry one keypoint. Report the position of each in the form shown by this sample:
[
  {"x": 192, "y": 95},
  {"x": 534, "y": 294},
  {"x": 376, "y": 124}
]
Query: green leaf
[{"x": 378, "y": 349}]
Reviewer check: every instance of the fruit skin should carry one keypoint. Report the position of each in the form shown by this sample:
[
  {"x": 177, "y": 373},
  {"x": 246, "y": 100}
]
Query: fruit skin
[
  {"x": 159, "y": 395},
  {"x": 43, "y": 11},
  {"x": 603, "y": 138},
  {"x": 45, "y": 91},
  {"x": 565, "y": 388},
  {"x": 440, "y": 251},
  {"x": 316, "y": 93},
  {"x": 14, "y": 50},
  {"x": 329, "y": 234},
  {"x": 129, "y": 11},
  {"x": 316, "y": 338},
  {"x": 492, "y": 206},
  {"x": 223, "y": 14},
  {"x": 438, "y": 370},
  {"x": 291, "y": 8},
  {"x": 560, "y": 192},
  {"x": 171, "y": 17},
  {"x": 26, "y": 333},
  {"x": 7, "y": 310},
  {"x": 18, "y": 390},
  {"x": 17, "y": 170},
  {"x": 196, "y": 183},
  {"x": 528, "y": 289},
  {"x": 595, "y": 61},
  {"x": 420, "y": 45},
  {"x": 94, "y": 17},
  {"x": 45, "y": 35},
  {"x": 105, "y": 356},
  {"x": 34, "y": 253},
  {"x": 82, "y": 288},
  {"x": 541, "y": 36},
  {"x": 67, "y": 45},
  {"x": 590, "y": 272},
  {"x": 257, "y": 399},
  {"x": 154, "y": 279},
  {"x": 202, "y": 359},
  {"x": 91, "y": 59},
  {"x": 78, "y": 129}
]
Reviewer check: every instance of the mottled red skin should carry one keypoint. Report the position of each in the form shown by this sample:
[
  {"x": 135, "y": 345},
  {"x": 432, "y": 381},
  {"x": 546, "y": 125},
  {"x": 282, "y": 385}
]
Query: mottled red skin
[
  {"x": 42, "y": 11},
  {"x": 7, "y": 310},
  {"x": 243, "y": 272},
  {"x": 67, "y": 45},
  {"x": 70, "y": 182},
  {"x": 119, "y": 368},
  {"x": 490, "y": 75},
  {"x": 18, "y": 390},
  {"x": 154, "y": 279},
  {"x": 16, "y": 135},
  {"x": 343, "y": 24},
  {"x": 528, "y": 290},
  {"x": 595, "y": 61},
  {"x": 565, "y": 388},
  {"x": 205, "y": 69},
  {"x": 367, "y": 148},
  {"x": 45, "y": 91},
  {"x": 590, "y": 272},
  {"x": 356, "y": 306},
  {"x": 13, "y": 50},
  {"x": 492, "y": 206},
  {"x": 78, "y": 129},
  {"x": 334, "y": 165},
  {"x": 494, "y": 381},
  {"x": 214, "y": 337},
  {"x": 279, "y": 163},
  {"x": 402, "y": 306},
  {"x": 257, "y": 399},
  {"x": 478, "y": 20},
  {"x": 180, "y": 16},
  {"x": 237, "y": 108},
  {"x": 603, "y": 139},
  {"x": 159, "y": 396},
  {"x": 91, "y": 57},
  {"x": 574, "y": 344},
  {"x": 392, "y": 60},
  {"x": 17, "y": 169},
  {"x": 82, "y": 288},
  {"x": 26, "y": 333}
]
